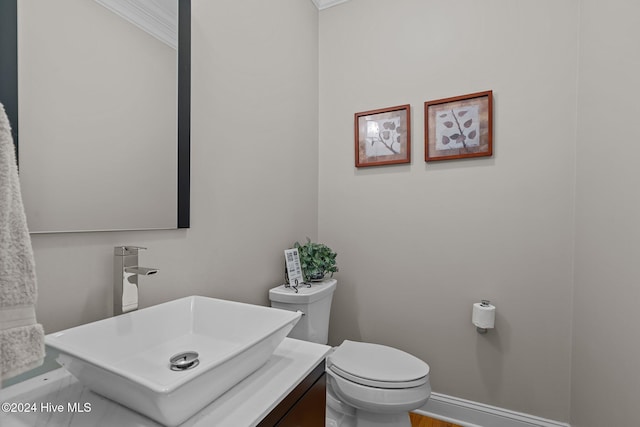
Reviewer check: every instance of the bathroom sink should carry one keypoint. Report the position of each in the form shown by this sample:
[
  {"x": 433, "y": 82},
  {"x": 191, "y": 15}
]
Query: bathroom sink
[{"x": 127, "y": 358}]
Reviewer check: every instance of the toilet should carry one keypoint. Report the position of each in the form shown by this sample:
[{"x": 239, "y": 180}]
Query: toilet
[{"x": 367, "y": 384}]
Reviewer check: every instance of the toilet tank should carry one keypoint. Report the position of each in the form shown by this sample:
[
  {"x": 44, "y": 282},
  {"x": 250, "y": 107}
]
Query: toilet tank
[{"x": 314, "y": 302}]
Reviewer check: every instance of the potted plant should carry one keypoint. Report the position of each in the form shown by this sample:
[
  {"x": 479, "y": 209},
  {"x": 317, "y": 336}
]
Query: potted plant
[{"x": 316, "y": 260}]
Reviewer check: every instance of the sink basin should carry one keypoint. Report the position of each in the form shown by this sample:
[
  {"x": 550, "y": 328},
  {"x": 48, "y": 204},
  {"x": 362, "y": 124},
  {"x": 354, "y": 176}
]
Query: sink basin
[{"x": 127, "y": 358}]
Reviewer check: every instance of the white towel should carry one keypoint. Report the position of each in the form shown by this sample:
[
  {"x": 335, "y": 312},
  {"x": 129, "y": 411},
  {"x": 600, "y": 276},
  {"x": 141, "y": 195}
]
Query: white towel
[{"x": 21, "y": 337}]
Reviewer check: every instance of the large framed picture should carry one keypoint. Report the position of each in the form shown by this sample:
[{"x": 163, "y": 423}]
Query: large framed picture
[
  {"x": 459, "y": 127},
  {"x": 383, "y": 136}
]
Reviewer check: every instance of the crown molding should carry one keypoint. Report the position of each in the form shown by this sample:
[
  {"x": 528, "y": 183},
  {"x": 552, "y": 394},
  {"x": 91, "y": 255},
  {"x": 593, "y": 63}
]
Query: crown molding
[
  {"x": 324, "y": 4},
  {"x": 156, "y": 17}
]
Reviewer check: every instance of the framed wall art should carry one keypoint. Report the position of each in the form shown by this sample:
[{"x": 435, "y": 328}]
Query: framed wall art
[
  {"x": 459, "y": 127},
  {"x": 383, "y": 137}
]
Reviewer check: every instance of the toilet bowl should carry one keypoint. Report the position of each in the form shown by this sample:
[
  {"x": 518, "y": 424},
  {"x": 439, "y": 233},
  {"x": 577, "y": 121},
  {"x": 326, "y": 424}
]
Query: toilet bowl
[
  {"x": 368, "y": 385},
  {"x": 382, "y": 384},
  {"x": 339, "y": 414}
]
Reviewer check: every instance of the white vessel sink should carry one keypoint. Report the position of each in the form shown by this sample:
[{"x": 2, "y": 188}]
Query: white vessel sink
[{"x": 126, "y": 358}]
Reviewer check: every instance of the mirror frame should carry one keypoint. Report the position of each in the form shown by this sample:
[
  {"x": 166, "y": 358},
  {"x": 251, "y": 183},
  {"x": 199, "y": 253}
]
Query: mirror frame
[
  {"x": 9, "y": 92},
  {"x": 9, "y": 63}
]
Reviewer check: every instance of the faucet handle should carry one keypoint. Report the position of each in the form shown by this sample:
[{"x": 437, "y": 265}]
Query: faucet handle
[{"x": 127, "y": 250}]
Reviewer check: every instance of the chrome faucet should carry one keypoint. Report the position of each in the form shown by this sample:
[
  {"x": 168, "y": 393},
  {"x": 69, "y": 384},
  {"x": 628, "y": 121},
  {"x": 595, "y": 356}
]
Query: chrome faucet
[{"x": 125, "y": 278}]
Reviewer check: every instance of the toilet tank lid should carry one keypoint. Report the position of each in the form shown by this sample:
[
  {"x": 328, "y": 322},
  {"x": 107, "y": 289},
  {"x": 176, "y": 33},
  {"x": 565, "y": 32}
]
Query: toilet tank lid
[
  {"x": 377, "y": 362},
  {"x": 305, "y": 294}
]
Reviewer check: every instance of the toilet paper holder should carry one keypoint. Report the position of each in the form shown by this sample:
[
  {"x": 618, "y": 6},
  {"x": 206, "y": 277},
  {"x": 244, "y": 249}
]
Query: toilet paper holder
[
  {"x": 484, "y": 303},
  {"x": 479, "y": 329}
]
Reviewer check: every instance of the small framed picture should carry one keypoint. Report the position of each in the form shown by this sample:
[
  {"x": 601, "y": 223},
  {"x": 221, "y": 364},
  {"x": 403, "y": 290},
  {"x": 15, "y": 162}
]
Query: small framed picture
[
  {"x": 459, "y": 127},
  {"x": 383, "y": 137}
]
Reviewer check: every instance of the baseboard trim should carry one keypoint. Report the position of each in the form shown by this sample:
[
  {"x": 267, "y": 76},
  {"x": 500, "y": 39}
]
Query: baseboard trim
[{"x": 467, "y": 413}]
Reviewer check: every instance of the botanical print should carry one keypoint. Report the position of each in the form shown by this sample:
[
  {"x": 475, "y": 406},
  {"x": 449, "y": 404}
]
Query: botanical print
[
  {"x": 383, "y": 137},
  {"x": 457, "y": 128}
]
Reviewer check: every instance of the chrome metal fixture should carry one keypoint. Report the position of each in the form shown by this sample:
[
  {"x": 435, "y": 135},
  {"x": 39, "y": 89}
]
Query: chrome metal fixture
[
  {"x": 185, "y": 360},
  {"x": 125, "y": 278}
]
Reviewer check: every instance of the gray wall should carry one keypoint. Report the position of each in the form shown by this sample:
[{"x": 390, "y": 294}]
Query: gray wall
[
  {"x": 606, "y": 343},
  {"x": 418, "y": 244},
  {"x": 254, "y": 131}
]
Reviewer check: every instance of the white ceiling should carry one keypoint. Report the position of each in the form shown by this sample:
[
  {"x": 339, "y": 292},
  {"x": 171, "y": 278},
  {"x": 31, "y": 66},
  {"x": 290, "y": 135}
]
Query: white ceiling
[{"x": 323, "y": 4}]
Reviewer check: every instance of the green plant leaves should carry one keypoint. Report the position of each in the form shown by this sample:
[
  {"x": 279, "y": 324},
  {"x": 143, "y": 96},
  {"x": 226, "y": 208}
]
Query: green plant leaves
[{"x": 316, "y": 259}]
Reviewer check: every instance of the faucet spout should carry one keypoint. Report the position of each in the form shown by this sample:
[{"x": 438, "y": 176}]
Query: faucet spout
[
  {"x": 125, "y": 278},
  {"x": 141, "y": 271}
]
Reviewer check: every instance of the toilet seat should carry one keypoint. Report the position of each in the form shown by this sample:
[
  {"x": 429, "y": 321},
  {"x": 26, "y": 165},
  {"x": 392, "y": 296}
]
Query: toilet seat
[
  {"x": 378, "y": 384},
  {"x": 378, "y": 366}
]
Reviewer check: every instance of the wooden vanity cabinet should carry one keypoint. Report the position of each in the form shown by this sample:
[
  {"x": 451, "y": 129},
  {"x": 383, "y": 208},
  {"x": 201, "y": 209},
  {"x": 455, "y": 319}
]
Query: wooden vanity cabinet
[{"x": 305, "y": 406}]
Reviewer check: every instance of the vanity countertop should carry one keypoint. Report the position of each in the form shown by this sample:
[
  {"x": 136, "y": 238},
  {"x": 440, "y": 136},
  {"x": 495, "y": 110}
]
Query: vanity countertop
[{"x": 56, "y": 398}]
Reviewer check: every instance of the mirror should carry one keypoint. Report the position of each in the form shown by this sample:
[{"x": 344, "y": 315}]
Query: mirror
[{"x": 103, "y": 109}]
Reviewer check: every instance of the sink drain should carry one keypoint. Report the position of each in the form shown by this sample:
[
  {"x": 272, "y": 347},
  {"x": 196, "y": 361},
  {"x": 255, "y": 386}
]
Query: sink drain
[{"x": 184, "y": 361}]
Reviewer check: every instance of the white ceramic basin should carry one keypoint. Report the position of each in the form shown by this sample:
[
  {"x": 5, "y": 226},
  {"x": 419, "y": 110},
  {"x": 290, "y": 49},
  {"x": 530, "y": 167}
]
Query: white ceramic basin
[{"x": 126, "y": 358}]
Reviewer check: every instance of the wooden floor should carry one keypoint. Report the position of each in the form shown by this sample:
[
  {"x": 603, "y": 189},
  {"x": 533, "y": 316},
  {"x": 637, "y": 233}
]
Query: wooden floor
[{"x": 422, "y": 421}]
